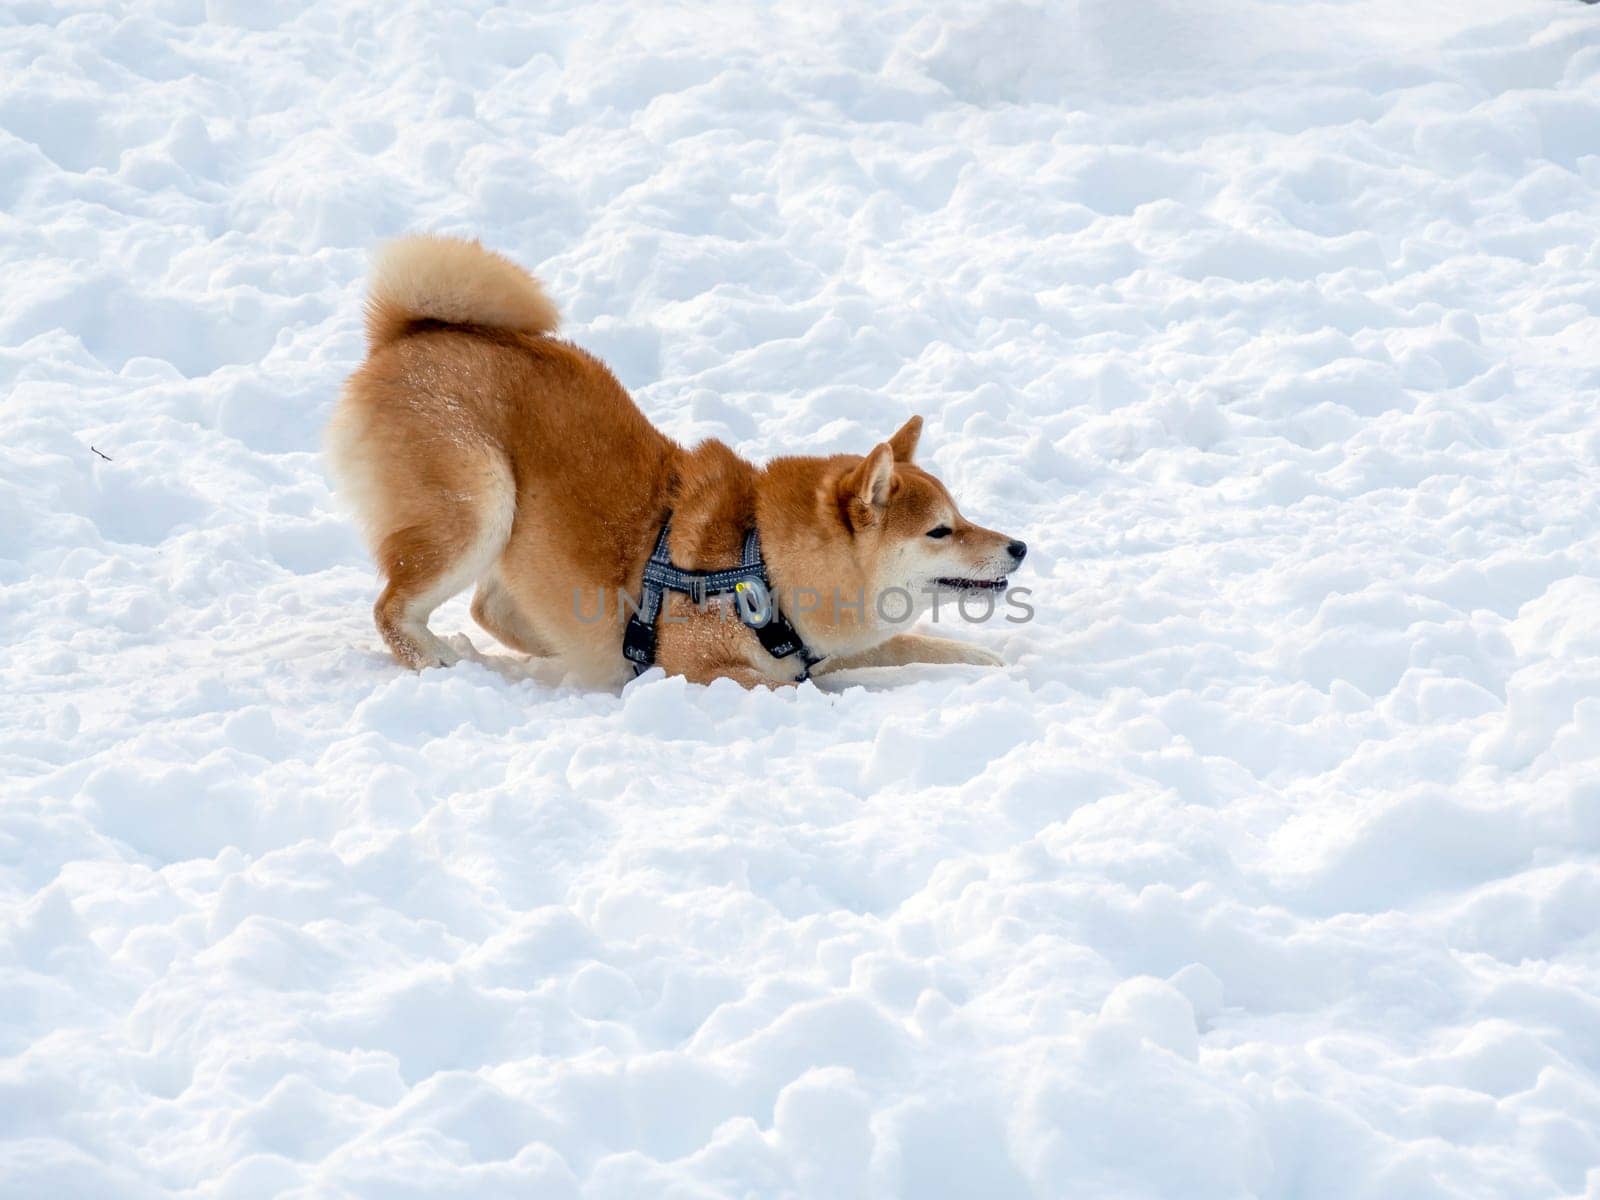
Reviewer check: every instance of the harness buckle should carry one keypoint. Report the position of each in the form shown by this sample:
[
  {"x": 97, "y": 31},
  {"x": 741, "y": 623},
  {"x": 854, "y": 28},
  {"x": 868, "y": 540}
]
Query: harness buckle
[
  {"x": 778, "y": 638},
  {"x": 639, "y": 642}
]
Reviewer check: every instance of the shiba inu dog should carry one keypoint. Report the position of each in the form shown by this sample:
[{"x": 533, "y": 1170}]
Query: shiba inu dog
[{"x": 480, "y": 451}]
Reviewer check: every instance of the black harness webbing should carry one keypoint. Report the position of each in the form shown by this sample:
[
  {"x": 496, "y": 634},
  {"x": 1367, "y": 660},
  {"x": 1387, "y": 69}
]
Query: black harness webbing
[{"x": 752, "y": 593}]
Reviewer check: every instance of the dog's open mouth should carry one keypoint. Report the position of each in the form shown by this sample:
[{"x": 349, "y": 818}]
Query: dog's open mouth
[{"x": 971, "y": 585}]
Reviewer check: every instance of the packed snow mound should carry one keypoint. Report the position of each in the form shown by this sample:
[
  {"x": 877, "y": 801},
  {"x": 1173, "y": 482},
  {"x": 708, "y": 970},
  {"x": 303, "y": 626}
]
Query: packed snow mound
[{"x": 1267, "y": 867}]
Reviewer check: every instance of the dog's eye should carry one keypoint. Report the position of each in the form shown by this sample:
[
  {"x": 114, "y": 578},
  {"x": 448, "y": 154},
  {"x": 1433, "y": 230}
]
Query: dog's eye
[{"x": 942, "y": 531}]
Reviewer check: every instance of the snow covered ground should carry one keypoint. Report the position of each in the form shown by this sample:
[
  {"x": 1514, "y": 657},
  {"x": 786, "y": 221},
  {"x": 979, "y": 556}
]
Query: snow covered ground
[{"x": 1270, "y": 866}]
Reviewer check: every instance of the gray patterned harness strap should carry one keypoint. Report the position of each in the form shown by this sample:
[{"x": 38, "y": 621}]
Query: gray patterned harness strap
[{"x": 752, "y": 593}]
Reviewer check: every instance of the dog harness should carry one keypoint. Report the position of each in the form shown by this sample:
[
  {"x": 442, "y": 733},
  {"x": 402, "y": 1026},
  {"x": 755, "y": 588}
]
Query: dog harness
[{"x": 752, "y": 595}]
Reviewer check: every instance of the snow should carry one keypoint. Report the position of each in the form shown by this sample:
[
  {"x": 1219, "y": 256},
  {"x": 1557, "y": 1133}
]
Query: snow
[{"x": 1267, "y": 867}]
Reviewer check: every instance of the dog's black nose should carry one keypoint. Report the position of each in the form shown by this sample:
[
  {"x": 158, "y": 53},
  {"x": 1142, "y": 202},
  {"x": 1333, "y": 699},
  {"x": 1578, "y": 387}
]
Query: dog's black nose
[{"x": 1019, "y": 550}]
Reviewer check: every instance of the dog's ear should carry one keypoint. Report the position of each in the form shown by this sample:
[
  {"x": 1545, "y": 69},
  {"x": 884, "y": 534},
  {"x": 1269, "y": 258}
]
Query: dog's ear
[
  {"x": 864, "y": 491},
  {"x": 904, "y": 441}
]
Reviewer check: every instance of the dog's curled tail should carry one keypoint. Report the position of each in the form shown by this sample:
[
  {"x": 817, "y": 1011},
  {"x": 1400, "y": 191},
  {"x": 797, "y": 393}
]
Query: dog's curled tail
[{"x": 425, "y": 277}]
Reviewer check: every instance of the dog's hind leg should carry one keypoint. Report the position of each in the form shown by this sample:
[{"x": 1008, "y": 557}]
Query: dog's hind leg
[
  {"x": 496, "y": 611},
  {"x": 461, "y": 532}
]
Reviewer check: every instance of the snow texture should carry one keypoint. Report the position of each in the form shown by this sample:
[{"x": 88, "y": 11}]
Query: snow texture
[{"x": 1270, "y": 864}]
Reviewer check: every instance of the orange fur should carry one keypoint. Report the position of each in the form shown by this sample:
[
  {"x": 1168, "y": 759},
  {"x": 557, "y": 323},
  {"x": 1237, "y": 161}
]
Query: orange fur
[{"x": 478, "y": 450}]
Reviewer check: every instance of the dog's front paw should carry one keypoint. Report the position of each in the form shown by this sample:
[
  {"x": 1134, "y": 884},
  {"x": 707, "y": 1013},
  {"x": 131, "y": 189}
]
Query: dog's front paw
[
  {"x": 979, "y": 657},
  {"x": 953, "y": 650}
]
